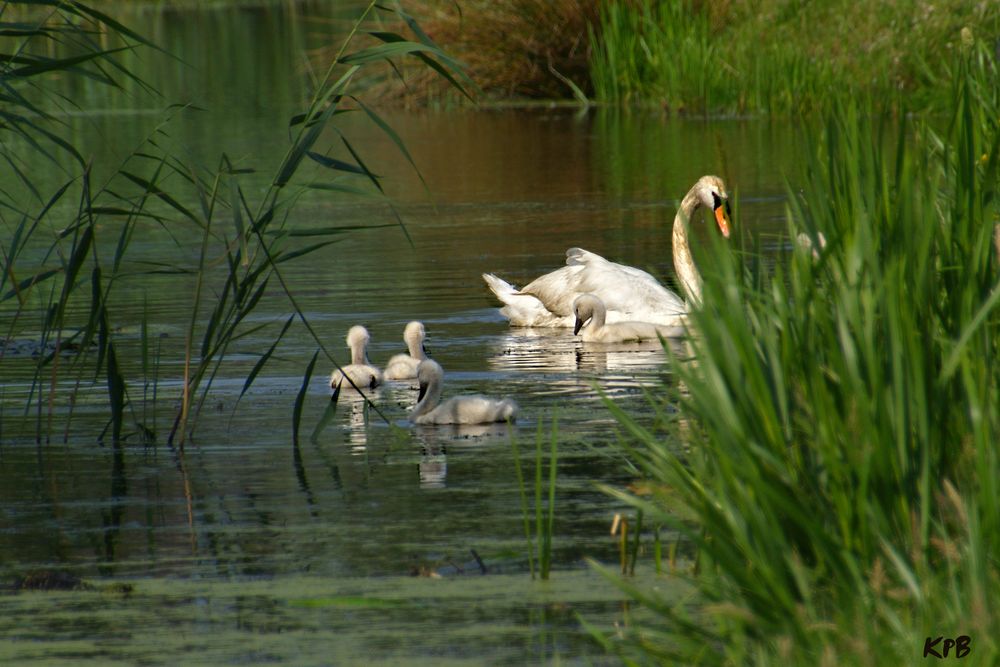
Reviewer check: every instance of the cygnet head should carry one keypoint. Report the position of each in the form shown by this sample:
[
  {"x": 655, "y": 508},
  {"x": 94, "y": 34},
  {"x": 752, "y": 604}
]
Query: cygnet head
[
  {"x": 711, "y": 192},
  {"x": 585, "y": 307},
  {"x": 357, "y": 335},
  {"x": 414, "y": 335}
]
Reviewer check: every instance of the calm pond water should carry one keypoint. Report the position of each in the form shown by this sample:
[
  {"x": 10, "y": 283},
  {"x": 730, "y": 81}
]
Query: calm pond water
[{"x": 250, "y": 549}]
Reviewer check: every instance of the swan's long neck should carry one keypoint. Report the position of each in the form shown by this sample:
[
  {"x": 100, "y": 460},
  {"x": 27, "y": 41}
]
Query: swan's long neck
[
  {"x": 416, "y": 347},
  {"x": 687, "y": 272},
  {"x": 597, "y": 317},
  {"x": 358, "y": 355},
  {"x": 431, "y": 397}
]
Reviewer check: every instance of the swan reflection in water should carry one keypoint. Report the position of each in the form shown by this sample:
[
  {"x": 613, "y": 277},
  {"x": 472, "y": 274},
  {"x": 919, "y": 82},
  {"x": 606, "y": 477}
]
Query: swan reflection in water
[
  {"x": 433, "y": 465},
  {"x": 359, "y": 414},
  {"x": 558, "y": 352}
]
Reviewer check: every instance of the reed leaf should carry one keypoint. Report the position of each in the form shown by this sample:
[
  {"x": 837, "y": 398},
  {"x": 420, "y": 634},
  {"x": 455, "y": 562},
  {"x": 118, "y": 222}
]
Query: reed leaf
[
  {"x": 338, "y": 165},
  {"x": 20, "y": 288},
  {"x": 300, "y": 398},
  {"x": 264, "y": 357},
  {"x": 837, "y": 411},
  {"x": 235, "y": 263}
]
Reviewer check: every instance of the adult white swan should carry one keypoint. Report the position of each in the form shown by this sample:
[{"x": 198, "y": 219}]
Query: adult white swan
[
  {"x": 628, "y": 293},
  {"x": 590, "y": 314},
  {"x": 404, "y": 366},
  {"x": 458, "y": 409},
  {"x": 360, "y": 370}
]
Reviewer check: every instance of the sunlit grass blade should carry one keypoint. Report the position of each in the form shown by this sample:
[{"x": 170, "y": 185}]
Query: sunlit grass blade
[
  {"x": 424, "y": 54},
  {"x": 385, "y": 51}
]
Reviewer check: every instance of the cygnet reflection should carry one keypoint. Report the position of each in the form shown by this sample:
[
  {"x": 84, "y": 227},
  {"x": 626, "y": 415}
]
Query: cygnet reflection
[{"x": 433, "y": 468}]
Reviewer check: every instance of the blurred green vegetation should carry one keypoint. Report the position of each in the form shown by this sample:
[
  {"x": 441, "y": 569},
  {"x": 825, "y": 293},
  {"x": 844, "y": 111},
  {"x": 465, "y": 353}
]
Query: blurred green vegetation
[
  {"x": 842, "y": 412},
  {"x": 782, "y": 56},
  {"x": 735, "y": 56}
]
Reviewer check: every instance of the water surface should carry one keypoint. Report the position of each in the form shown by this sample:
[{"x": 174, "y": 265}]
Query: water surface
[{"x": 251, "y": 548}]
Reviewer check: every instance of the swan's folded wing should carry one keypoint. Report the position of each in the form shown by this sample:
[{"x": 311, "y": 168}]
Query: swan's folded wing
[
  {"x": 556, "y": 289},
  {"x": 472, "y": 410},
  {"x": 625, "y": 289},
  {"x": 628, "y": 292},
  {"x": 523, "y": 310}
]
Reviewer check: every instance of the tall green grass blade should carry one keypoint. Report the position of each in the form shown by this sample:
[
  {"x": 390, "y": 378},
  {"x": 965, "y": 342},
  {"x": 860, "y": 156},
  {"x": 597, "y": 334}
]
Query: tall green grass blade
[
  {"x": 422, "y": 51},
  {"x": 300, "y": 398},
  {"x": 163, "y": 196},
  {"x": 385, "y": 51},
  {"x": 20, "y": 289},
  {"x": 312, "y": 128},
  {"x": 152, "y": 184},
  {"x": 83, "y": 9},
  {"x": 264, "y": 358},
  {"x": 546, "y": 556},
  {"x": 328, "y": 414},
  {"x": 338, "y": 165},
  {"x": 295, "y": 254},
  {"x": 393, "y": 135},
  {"x": 975, "y": 325},
  {"x": 835, "y": 403},
  {"x": 525, "y": 512},
  {"x": 44, "y": 65},
  {"x": 543, "y": 568},
  {"x": 116, "y": 392}
]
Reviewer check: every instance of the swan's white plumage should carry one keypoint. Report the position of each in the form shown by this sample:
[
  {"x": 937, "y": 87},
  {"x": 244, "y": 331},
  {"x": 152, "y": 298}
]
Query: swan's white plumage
[
  {"x": 524, "y": 310},
  {"x": 360, "y": 371},
  {"x": 404, "y": 366},
  {"x": 589, "y": 313},
  {"x": 473, "y": 409},
  {"x": 628, "y": 293}
]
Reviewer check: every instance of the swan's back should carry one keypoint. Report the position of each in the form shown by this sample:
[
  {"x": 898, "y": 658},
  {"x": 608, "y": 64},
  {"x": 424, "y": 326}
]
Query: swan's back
[
  {"x": 622, "y": 288},
  {"x": 590, "y": 315},
  {"x": 404, "y": 366},
  {"x": 360, "y": 372},
  {"x": 364, "y": 376},
  {"x": 623, "y": 332},
  {"x": 473, "y": 409},
  {"x": 628, "y": 293}
]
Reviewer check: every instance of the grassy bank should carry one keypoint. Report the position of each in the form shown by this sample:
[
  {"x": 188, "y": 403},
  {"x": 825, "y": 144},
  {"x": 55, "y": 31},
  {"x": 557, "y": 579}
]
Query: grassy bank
[
  {"x": 778, "y": 56},
  {"x": 741, "y": 56},
  {"x": 842, "y": 415}
]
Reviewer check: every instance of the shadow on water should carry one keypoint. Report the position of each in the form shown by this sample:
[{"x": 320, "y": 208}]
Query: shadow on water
[{"x": 254, "y": 549}]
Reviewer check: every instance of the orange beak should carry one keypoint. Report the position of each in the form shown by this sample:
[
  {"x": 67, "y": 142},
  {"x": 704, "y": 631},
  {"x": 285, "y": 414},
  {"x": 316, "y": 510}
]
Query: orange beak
[{"x": 722, "y": 218}]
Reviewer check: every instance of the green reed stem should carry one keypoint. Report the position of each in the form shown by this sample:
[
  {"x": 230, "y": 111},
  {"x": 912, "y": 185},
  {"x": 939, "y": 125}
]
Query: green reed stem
[{"x": 523, "y": 493}]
